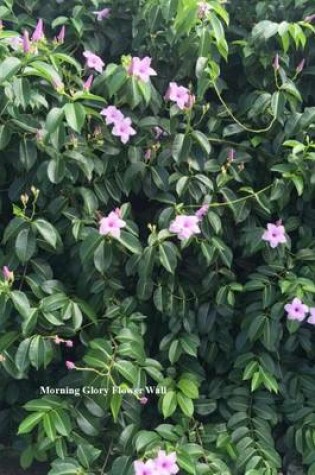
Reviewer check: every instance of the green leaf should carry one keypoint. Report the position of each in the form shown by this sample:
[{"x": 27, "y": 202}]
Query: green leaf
[
  {"x": 47, "y": 231},
  {"x": 40, "y": 352},
  {"x": 186, "y": 404},
  {"x": 25, "y": 245},
  {"x": 115, "y": 405},
  {"x": 189, "y": 388},
  {"x": 49, "y": 427},
  {"x": 54, "y": 119},
  {"x": 75, "y": 115},
  {"x": 8, "y": 68},
  {"x": 169, "y": 404},
  {"x": 167, "y": 255},
  {"x": 21, "y": 357},
  {"x": 5, "y": 136},
  {"x": 131, "y": 242},
  {"x": 30, "y": 422}
]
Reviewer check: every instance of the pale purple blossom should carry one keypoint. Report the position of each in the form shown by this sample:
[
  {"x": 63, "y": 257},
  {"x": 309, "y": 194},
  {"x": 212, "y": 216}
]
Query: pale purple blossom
[
  {"x": 123, "y": 129},
  {"x": 16, "y": 42},
  {"x": 300, "y": 66},
  {"x": 7, "y": 273},
  {"x": 178, "y": 94},
  {"x": 145, "y": 468},
  {"x": 38, "y": 33},
  {"x": 165, "y": 464},
  {"x": 274, "y": 234},
  {"x": 58, "y": 84},
  {"x": 88, "y": 83},
  {"x": 203, "y": 10},
  {"x": 202, "y": 212},
  {"x": 276, "y": 64},
  {"x": 70, "y": 365},
  {"x": 111, "y": 225},
  {"x": 158, "y": 132},
  {"x": 148, "y": 154},
  {"x": 93, "y": 61},
  {"x": 102, "y": 14},
  {"x": 61, "y": 35},
  {"x": 57, "y": 340},
  {"x": 296, "y": 310},
  {"x": 310, "y": 18},
  {"x": 69, "y": 343},
  {"x": 26, "y": 42},
  {"x": 311, "y": 318},
  {"x": 143, "y": 400},
  {"x": 185, "y": 226},
  {"x": 231, "y": 155},
  {"x": 112, "y": 115},
  {"x": 141, "y": 68}
]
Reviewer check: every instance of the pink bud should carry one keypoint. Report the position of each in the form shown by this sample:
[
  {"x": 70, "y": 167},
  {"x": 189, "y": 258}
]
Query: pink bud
[
  {"x": 231, "y": 155},
  {"x": 69, "y": 343},
  {"x": 310, "y": 18},
  {"x": 88, "y": 83},
  {"x": 158, "y": 132},
  {"x": 58, "y": 85},
  {"x": 58, "y": 340},
  {"x": 143, "y": 400},
  {"x": 148, "y": 154},
  {"x": 70, "y": 365},
  {"x": 275, "y": 63},
  {"x": 201, "y": 212},
  {"x": 38, "y": 33},
  {"x": 26, "y": 42},
  {"x": 118, "y": 212},
  {"x": 191, "y": 101},
  {"x": 300, "y": 66},
  {"x": 61, "y": 35},
  {"x": 7, "y": 273}
]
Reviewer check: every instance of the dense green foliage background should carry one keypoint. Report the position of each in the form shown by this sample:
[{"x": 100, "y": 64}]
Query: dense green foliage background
[{"x": 205, "y": 317}]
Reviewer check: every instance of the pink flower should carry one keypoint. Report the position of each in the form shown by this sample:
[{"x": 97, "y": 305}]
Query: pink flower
[
  {"x": 275, "y": 63},
  {"x": 296, "y": 310},
  {"x": 165, "y": 464},
  {"x": 16, "y": 42},
  {"x": 311, "y": 319},
  {"x": 185, "y": 226},
  {"x": 88, "y": 83},
  {"x": 58, "y": 340},
  {"x": 38, "y": 33},
  {"x": 26, "y": 42},
  {"x": 202, "y": 212},
  {"x": 112, "y": 115},
  {"x": 147, "y": 154},
  {"x": 143, "y": 400},
  {"x": 61, "y": 35},
  {"x": 58, "y": 84},
  {"x": 145, "y": 468},
  {"x": 102, "y": 14},
  {"x": 310, "y": 18},
  {"x": 275, "y": 234},
  {"x": 300, "y": 66},
  {"x": 158, "y": 132},
  {"x": 231, "y": 155},
  {"x": 203, "y": 10},
  {"x": 111, "y": 225},
  {"x": 123, "y": 130},
  {"x": 7, "y": 273},
  {"x": 93, "y": 61},
  {"x": 141, "y": 68},
  {"x": 191, "y": 101},
  {"x": 69, "y": 343},
  {"x": 70, "y": 365},
  {"x": 178, "y": 94}
]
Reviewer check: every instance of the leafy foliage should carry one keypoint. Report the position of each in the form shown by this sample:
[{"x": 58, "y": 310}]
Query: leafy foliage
[{"x": 200, "y": 320}]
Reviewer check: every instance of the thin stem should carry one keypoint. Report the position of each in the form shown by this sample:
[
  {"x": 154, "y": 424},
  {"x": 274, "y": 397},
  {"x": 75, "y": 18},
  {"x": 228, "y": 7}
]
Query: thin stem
[{"x": 244, "y": 127}]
